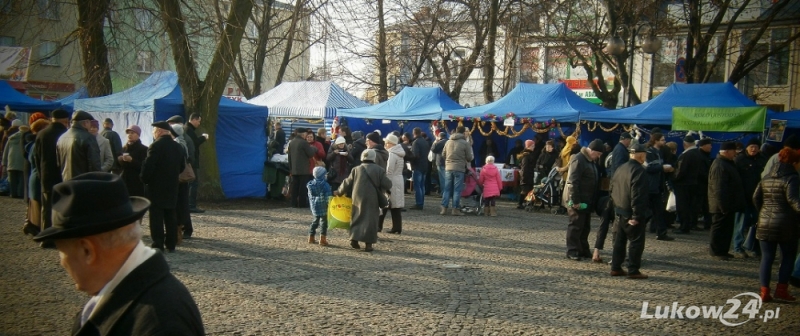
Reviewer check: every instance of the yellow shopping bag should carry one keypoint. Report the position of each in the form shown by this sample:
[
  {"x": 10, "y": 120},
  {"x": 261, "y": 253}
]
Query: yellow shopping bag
[{"x": 339, "y": 211}]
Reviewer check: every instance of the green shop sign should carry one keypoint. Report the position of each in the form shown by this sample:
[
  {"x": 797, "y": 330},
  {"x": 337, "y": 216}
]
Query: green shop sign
[{"x": 723, "y": 119}]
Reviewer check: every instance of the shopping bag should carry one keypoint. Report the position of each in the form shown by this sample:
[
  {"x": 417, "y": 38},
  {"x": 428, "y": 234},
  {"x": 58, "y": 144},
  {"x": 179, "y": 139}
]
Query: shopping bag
[
  {"x": 671, "y": 206},
  {"x": 339, "y": 211}
]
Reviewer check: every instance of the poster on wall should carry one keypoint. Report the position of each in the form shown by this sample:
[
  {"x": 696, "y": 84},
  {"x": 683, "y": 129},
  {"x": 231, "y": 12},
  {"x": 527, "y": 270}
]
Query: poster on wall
[{"x": 776, "y": 129}]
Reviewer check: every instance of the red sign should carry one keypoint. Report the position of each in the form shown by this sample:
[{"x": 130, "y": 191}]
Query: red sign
[
  {"x": 580, "y": 83},
  {"x": 42, "y": 86}
]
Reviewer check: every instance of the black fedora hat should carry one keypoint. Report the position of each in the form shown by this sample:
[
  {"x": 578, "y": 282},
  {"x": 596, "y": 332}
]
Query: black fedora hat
[
  {"x": 164, "y": 125},
  {"x": 91, "y": 204}
]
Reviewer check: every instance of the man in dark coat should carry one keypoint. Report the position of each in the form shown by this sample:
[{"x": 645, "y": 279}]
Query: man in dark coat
[
  {"x": 97, "y": 233},
  {"x": 620, "y": 153},
  {"x": 357, "y": 147},
  {"x": 704, "y": 145},
  {"x": 527, "y": 170},
  {"x": 656, "y": 181},
  {"x": 579, "y": 198},
  {"x": 280, "y": 136},
  {"x": 725, "y": 196},
  {"x": 77, "y": 149},
  {"x": 115, "y": 142},
  {"x": 191, "y": 131},
  {"x": 46, "y": 160},
  {"x": 300, "y": 151},
  {"x": 131, "y": 159},
  {"x": 419, "y": 166},
  {"x": 629, "y": 191},
  {"x": 750, "y": 164},
  {"x": 165, "y": 161},
  {"x": 685, "y": 182}
]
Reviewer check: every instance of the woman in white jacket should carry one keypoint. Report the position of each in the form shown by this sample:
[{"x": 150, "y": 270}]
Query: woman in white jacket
[{"x": 394, "y": 171}]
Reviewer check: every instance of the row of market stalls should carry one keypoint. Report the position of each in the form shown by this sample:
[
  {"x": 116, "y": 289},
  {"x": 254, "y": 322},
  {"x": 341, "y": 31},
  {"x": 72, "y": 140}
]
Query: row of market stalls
[{"x": 528, "y": 111}]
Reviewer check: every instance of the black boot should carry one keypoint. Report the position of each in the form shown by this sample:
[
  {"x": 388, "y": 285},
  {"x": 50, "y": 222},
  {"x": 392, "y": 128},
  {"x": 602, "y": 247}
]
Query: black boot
[
  {"x": 368, "y": 248},
  {"x": 397, "y": 221},
  {"x": 354, "y": 244}
]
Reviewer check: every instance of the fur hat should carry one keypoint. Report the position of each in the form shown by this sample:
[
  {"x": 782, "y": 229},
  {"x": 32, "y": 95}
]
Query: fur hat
[{"x": 368, "y": 154}]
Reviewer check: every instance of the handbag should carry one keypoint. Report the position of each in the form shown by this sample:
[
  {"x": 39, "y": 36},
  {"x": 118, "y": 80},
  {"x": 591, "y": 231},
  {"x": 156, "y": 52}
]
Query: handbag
[
  {"x": 187, "y": 175},
  {"x": 331, "y": 175}
]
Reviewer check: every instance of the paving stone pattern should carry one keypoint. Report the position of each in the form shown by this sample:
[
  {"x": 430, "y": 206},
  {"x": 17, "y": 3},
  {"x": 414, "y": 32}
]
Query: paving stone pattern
[{"x": 252, "y": 273}]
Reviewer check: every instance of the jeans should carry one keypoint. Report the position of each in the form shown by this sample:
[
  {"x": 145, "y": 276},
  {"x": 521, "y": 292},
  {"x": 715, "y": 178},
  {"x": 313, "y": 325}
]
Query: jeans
[
  {"x": 453, "y": 185},
  {"x": 743, "y": 237},
  {"x": 624, "y": 234},
  {"x": 418, "y": 178},
  {"x": 788, "y": 254},
  {"x": 316, "y": 223},
  {"x": 440, "y": 171}
]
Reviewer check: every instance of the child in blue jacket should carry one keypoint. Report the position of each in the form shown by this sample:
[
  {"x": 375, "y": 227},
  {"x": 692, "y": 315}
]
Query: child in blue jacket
[{"x": 319, "y": 191}]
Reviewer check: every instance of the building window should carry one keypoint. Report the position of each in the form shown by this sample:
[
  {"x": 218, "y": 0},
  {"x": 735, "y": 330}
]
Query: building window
[
  {"x": 252, "y": 30},
  {"x": 774, "y": 71},
  {"x": 48, "y": 9},
  {"x": 144, "y": 19},
  {"x": 6, "y": 41},
  {"x": 144, "y": 61},
  {"x": 250, "y": 71},
  {"x": 48, "y": 53}
]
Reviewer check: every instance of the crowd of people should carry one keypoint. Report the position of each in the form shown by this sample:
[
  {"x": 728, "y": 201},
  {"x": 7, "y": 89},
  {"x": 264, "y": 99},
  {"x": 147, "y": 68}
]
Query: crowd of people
[
  {"x": 746, "y": 197},
  {"x": 47, "y": 151}
]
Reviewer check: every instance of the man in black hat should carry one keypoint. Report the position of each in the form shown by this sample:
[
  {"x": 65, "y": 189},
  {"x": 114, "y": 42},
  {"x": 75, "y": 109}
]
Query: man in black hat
[
  {"x": 629, "y": 190},
  {"x": 750, "y": 164},
  {"x": 77, "y": 149},
  {"x": 725, "y": 196},
  {"x": 704, "y": 145},
  {"x": 579, "y": 196},
  {"x": 115, "y": 141},
  {"x": 96, "y": 229},
  {"x": 300, "y": 153},
  {"x": 46, "y": 160},
  {"x": 620, "y": 153},
  {"x": 160, "y": 170},
  {"x": 687, "y": 174},
  {"x": 375, "y": 142},
  {"x": 191, "y": 131}
]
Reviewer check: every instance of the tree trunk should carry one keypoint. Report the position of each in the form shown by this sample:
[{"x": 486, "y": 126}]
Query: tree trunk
[
  {"x": 205, "y": 97},
  {"x": 488, "y": 60},
  {"x": 94, "y": 53},
  {"x": 287, "y": 53},
  {"x": 383, "y": 71}
]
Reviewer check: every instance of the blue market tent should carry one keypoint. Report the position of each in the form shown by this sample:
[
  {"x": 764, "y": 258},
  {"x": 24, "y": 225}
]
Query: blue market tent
[
  {"x": 68, "y": 101},
  {"x": 240, "y": 142},
  {"x": 658, "y": 111},
  {"x": 413, "y": 103},
  {"x": 542, "y": 102},
  {"x": 308, "y": 104},
  {"x": 412, "y": 107},
  {"x": 133, "y": 106},
  {"x": 19, "y": 102},
  {"x": 792, "y": 118}
]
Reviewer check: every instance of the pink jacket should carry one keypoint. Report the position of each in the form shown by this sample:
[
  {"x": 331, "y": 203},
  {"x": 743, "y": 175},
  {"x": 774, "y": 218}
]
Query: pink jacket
[{"x": 490, "y": 181}]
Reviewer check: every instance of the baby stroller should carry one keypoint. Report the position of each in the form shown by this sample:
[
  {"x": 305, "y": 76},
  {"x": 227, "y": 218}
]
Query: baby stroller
[
  {"x": 546, "y": 194},
  {"x": 472, "y": 195}
]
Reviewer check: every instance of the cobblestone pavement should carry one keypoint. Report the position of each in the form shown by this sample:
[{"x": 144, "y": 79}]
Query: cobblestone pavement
[{"x": 252, "y": 273}]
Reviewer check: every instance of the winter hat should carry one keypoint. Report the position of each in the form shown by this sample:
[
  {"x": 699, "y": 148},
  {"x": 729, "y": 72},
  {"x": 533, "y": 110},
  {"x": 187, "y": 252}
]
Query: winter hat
[
  {"x": 357, "y": 135},
  {"x": 16, "y": 123},
  {"x": 528, "y": 143},
  {"x": 392, "y": 139},
  {"x": 319, "y": 172},
  {"x": 134, "y": 129},
  {"x": 374, "y": 137},
  {"x": 597, "y": 145},
  {"x": 59, "y": 114},
  {"x": 754, "y": 141},
  {"x": 36, "y": 116},
  {"x": 688, "y": 139},
  {"x": 792, "y": 142},
  {"x": 368, "y": 154},
  {"x": 728, "y": 145},
  {"x": 707, "y": 141},
  {"x": 340, "y": 140}
]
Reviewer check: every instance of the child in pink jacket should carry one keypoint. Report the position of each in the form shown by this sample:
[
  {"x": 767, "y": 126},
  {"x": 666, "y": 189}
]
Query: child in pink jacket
[{"x": 492, "y": 184}]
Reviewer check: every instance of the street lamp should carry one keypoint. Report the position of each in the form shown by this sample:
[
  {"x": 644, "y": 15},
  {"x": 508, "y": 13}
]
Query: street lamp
[{"x": 616, "y": 46}]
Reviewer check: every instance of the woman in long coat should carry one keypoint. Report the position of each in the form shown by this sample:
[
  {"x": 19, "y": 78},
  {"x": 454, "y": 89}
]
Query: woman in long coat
[
  {"x": 394, "y": 171},
  {"x": 365, "y": 185}
]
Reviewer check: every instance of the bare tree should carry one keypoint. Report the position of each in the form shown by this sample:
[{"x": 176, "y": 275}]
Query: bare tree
[
  {"x": 203, "y": 96},
  {"x": 94, "y": 53}
]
